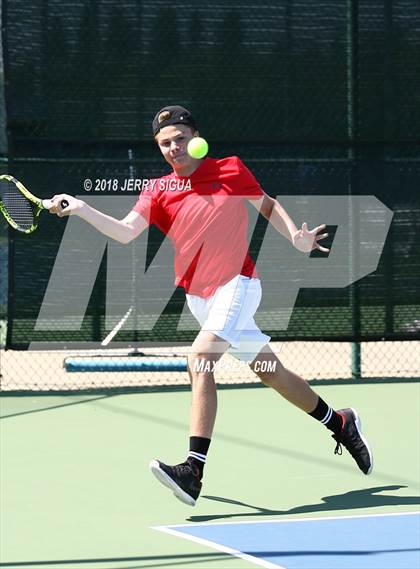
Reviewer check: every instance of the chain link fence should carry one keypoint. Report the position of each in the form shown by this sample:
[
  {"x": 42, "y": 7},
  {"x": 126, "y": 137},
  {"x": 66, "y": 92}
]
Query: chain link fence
[
  {"x": 315, "y": 361},
  {"x": 318, "y": 99},
  {"x": 3, "y": 232}
]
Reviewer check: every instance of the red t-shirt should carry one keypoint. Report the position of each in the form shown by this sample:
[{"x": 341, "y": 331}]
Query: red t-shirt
[{"x": 207, "y": 224}]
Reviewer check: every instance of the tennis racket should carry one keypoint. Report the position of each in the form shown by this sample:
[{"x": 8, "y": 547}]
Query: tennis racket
[{"x": 19, "y": 207}]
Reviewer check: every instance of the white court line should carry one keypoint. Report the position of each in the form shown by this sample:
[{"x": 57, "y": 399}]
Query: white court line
[
  {"x": 288, "y": 520},
  {"x": 256, "y": 560},
  {"x": 219, "y": 547}
]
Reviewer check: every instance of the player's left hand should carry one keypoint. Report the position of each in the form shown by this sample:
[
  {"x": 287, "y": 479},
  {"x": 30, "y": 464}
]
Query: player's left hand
[{"x": 306, "y": 240}]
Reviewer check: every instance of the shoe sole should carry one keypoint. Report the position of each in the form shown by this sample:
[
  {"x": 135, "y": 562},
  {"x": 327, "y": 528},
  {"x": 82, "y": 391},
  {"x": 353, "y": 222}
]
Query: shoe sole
[
  {"x": 359, "y": 430},
  {"x": 167, "y": 481}
]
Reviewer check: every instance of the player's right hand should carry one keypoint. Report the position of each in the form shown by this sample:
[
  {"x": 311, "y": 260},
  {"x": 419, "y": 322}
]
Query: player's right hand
[
  {"x": 306, "y": 240},
  {"x": 74, "y": 207}
]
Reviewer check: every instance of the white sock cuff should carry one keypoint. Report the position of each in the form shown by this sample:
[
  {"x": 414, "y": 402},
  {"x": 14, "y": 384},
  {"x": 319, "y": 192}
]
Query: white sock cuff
[
  {"x": 197, "y": 456},
  {"x": 327, "y": 416}
]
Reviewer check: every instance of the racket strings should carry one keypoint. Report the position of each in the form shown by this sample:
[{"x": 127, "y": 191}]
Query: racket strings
[{"x": 18, "y": 207}]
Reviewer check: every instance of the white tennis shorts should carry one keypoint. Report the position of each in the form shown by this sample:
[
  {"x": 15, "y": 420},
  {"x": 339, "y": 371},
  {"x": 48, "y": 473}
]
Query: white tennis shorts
[{"x": 229, "y": 314}]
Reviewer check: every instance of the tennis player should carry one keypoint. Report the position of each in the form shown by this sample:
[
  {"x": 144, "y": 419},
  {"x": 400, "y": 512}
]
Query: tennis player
[{"x": 208, "y": 227}]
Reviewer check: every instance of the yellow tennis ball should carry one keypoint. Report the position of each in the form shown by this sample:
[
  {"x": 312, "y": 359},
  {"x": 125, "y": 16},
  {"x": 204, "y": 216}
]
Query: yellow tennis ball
[{"x": 197, "y": 147}]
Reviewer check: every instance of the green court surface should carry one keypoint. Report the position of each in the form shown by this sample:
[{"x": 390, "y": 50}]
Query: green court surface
[{"x": 77, "y": 492}]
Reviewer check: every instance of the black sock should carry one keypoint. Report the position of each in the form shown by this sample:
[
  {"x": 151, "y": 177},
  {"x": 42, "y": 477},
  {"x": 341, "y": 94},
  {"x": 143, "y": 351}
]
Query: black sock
[
  {"x": 327, "y": 416},
  {"x": 199, "y": 447}
]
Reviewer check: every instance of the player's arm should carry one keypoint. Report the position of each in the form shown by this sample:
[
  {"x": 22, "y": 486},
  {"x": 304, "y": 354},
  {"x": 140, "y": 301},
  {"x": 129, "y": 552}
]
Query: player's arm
[
  {"x": 303, "y": 239},
  {"x": 122, "y": 230},
  {"x": 276, "y": 215}
]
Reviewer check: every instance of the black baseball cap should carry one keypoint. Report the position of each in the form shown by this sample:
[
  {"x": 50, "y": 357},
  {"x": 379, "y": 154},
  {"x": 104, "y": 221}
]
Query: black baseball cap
[{"x": 174, "y": 114}]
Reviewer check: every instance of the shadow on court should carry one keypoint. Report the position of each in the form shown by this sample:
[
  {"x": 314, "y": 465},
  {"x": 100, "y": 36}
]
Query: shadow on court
[
  {"x": 366, "y": 498},
  {"x": 166, "y": 560},
  {"x": 37, "y": 405}
]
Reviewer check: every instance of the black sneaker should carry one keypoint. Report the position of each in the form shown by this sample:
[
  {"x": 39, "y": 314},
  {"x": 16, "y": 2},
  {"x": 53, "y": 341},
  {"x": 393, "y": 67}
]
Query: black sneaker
[
  {"x": 183, "y": 479},
  {"x": 352, "y": 438}
]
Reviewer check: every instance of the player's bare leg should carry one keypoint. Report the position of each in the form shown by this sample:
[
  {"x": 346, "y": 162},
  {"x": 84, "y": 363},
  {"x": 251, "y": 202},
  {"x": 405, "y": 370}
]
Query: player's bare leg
[
  {"x": 207, "y": 350},
  {"x": 344, "y": 423},
  {"x": 185, "y": 479},
  {"x": 290, "y": 385}
]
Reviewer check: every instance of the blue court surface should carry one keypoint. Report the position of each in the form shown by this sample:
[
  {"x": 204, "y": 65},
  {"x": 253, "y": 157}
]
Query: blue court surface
[{"x": 389, "y": 541}]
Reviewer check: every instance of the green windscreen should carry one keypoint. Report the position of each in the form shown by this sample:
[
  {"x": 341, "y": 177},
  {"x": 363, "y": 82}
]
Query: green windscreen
[{"x": 317, "y": 98}]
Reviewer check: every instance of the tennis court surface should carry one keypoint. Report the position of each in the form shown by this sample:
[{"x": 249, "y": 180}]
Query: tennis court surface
[
  {"x": 76, "y": 490},
  {"x": 385, "y": 541}
]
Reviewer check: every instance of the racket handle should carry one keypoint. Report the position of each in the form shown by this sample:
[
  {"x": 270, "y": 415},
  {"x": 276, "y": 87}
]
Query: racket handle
[{"x": 46, "y": 204}]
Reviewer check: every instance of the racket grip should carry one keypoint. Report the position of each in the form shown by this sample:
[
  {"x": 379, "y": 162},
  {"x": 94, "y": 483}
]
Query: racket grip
[{"x": 64, "y": 204}]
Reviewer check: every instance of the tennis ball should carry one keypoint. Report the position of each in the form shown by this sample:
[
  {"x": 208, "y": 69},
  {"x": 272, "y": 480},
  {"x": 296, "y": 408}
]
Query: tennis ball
[{"x": 197, "y": 147}]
